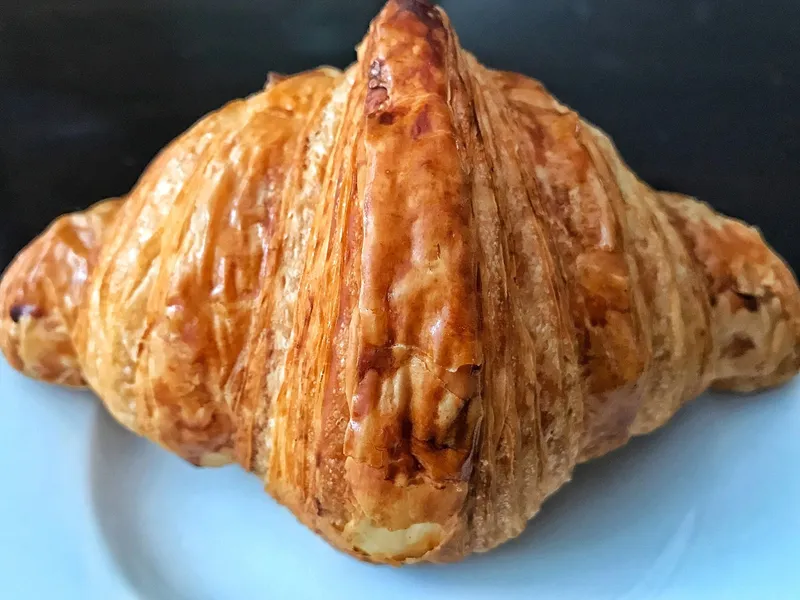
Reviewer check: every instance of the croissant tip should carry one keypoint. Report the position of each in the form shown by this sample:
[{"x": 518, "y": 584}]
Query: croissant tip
[
  {"x": 424, "y": 10},
  {"x": 415, "y": 3}
]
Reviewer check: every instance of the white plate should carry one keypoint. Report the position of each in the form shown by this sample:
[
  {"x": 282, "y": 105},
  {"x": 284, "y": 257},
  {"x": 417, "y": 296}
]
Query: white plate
[{"x": 708, "y": 507}]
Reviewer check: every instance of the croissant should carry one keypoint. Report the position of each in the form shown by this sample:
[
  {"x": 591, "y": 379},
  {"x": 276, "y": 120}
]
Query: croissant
[{"x": 409, "y": 296}]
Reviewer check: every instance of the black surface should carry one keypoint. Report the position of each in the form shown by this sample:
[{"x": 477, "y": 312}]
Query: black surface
[{"x": 701, "y": 96}]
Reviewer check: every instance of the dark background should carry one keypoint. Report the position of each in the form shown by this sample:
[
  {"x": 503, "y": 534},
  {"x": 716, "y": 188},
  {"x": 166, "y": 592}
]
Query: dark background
[{"x": 701, "y": 96}]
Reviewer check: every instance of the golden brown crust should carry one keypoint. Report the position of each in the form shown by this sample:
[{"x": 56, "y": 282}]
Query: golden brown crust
[
  {"x": 166, "y": 329},
  {"x": 410, "y": 296},
  {"x": 412, "y": 418},
  {"x": 41, "y": 293},
  {"x": 752, "y": 294}
]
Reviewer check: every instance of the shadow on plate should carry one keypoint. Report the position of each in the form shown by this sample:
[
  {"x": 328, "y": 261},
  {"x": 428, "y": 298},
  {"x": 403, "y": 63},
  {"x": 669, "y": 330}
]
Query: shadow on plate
[{"x": 621, "y": 526}]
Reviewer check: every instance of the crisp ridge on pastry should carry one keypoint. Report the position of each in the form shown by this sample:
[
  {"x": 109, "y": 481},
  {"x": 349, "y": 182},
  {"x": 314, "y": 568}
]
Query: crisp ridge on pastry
[{"x": 409, "y": 296}]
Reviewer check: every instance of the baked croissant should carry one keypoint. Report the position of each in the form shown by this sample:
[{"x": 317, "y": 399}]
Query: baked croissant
[{"x": 410, "y": 296}]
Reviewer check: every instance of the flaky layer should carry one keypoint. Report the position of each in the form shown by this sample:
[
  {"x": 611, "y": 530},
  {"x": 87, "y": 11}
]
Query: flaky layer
[{"x": 409, "y": 296}]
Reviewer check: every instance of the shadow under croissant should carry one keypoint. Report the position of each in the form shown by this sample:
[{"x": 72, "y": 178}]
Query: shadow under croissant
[
  {"x": 587, "y": 527},
  {"x": 138, "y": 489}
]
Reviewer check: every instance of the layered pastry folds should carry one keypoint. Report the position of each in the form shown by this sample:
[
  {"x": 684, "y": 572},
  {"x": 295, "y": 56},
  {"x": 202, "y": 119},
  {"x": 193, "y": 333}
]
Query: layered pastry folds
[{"x": 409, "y": 296}]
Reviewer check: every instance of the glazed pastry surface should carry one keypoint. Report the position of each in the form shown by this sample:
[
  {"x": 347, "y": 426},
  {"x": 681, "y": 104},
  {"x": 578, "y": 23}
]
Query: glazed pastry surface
[{"x": 409, "y": 296}]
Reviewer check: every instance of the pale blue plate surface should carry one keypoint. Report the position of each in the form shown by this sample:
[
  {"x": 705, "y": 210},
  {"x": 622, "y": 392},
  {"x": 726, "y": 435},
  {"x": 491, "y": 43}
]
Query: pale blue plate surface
[{"x": 708, "y": 507}]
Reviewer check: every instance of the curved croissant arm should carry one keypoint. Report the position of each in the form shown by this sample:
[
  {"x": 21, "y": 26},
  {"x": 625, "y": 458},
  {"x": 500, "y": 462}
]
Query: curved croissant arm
[
  {"x": 41, "y": 291},
  {"x": 410, "y": 296}
]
